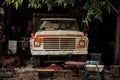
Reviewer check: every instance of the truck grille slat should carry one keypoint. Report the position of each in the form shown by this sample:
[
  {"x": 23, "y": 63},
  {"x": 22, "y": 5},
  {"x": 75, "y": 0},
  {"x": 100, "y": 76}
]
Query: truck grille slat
[{"x": 59, "y": 43}]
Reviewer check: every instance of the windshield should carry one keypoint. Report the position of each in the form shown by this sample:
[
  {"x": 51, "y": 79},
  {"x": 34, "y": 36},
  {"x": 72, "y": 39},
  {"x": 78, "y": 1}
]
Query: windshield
[{"x": 57, "y": 25}]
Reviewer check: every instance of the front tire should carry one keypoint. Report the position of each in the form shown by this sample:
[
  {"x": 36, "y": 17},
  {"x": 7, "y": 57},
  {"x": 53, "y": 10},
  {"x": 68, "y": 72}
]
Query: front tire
[{"x": 36, "y": 61}]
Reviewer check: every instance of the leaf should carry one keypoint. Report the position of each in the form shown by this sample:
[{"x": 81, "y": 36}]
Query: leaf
[
  {"x": 8, "y": 2},
  {"x": 32, "y": 5},
  {"x": 102, "y": 3},
  {"x": 16, "y": 5},
  {"x": 109, "y": 9},
  {"x": 13, "y": 1},
  {"x": 29, "y": 5},
  {"x": 85, "y": 21},
  {"x": 35, "y": 5},
  {"x": 89, "y": 19},
  {"x": 40, "y": 5},
  {"x": 65, "y": 5},
  {"x": 20, "y": 2},
  {"x": 49, "y": 7}
]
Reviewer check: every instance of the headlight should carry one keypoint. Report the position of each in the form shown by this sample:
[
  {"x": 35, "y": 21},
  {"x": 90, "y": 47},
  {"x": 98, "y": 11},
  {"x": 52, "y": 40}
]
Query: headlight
[
  {"x": 82, "y": 43},
  {"x": 36, "y": 43}
]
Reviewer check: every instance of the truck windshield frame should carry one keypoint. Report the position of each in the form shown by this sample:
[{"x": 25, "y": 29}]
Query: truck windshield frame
[{"x": 58, "y": 25}]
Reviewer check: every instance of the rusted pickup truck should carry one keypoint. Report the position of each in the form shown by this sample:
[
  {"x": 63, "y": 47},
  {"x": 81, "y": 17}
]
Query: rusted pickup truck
[{"x": 57, "y": 38}]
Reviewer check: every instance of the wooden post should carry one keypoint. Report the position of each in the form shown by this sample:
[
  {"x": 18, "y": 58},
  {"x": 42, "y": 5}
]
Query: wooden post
[
  {"x": 117, "y": 35},
  {"x": 117, "y": 45}
]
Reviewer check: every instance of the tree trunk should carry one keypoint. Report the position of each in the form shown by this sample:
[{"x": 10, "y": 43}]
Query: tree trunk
[{"x": 117, "y": 46}]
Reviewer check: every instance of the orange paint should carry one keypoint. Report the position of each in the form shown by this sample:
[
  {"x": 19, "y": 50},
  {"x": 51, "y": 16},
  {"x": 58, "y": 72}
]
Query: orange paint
[
  {"x": 78, "y": 43},
  {"x": 39, "y": 40}
]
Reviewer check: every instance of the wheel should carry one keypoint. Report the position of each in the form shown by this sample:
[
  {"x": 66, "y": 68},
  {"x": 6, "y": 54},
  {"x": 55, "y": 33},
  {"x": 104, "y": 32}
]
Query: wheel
[{"x": 36, "y": 61}]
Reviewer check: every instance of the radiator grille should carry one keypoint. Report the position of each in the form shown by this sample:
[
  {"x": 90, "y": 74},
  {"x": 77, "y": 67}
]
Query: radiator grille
[{"x": 59, "y": 43}]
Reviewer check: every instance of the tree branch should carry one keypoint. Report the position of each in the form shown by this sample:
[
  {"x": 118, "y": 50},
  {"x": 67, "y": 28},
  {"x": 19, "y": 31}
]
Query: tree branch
[
  {"x": 3, "y": 3},
  {"x": 112, "y": 6}
]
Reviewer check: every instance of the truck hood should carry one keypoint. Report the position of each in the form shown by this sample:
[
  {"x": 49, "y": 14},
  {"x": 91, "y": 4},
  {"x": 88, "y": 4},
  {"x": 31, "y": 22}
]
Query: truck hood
[{"x": 60, "y": 32}]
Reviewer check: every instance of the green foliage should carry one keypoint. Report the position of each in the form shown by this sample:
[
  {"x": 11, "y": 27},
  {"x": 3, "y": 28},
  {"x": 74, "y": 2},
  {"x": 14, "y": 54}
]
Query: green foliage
[
  {"x": 16, "y": 3},
  {"x": 39, "y": 3},
  {"x": 105, "y": 6},
  {"x": 50, "y": 3},
  {"x": 92, "y": 7},
  {"x": 94, "y": 10}
]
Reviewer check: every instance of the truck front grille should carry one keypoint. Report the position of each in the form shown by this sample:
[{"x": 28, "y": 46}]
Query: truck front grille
[{"x": 59, "y": 43}]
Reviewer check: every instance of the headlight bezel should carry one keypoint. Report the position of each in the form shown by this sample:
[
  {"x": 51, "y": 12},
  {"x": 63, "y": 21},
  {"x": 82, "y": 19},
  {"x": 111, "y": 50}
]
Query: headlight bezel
[
  {"x": 37, "y": 43},
  {"x": 81, "y": 43}
]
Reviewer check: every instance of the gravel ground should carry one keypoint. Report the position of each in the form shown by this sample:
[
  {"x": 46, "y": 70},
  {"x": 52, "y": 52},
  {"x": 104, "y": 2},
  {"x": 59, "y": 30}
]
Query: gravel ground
[
  {"x": 29, "y": 73},
  {"x": 33, "y": 75}
]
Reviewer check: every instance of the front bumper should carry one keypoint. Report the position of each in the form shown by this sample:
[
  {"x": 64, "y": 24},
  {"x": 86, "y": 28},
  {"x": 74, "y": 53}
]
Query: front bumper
[{"x": 39, "y": 52}]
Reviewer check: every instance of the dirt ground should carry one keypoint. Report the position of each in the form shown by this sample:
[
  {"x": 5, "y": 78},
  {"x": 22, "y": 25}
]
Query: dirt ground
[{"x": 30, "y": 73}]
